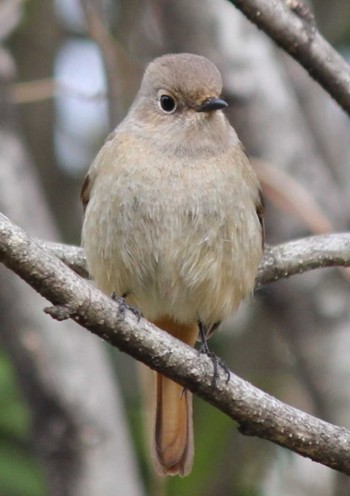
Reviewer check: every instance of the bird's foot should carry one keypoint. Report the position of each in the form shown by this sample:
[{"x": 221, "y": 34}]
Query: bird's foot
[
  {"x": 216, "y": 361},
  {"x": 123, "y": 305}
]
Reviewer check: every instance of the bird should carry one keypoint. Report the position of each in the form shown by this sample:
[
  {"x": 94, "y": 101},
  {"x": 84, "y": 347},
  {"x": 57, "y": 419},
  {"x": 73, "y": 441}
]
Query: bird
[{"x": 173, "y": 222}]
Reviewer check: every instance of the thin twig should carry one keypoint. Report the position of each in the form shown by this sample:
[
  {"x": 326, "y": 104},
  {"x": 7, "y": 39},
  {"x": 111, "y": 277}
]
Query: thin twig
[
  {"x": 47, "y": 88},
  {"x": 103, "y": 39},
  {"x": 113, "y": 58},
  {"x": 302, "y": 255},
  {"x": 290, "y": 196}
]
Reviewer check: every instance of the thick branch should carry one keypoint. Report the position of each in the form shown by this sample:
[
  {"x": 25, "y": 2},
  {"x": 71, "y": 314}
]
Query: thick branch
[
  {"x": 281, "y": 261},
  {"x": 291, "y": 26},
  {"x": 257, "y": 413}
]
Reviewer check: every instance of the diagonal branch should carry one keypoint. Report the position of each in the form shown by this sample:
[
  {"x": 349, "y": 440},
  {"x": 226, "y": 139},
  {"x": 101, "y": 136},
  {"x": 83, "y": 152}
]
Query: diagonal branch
[
  {"x": 291, "y": 25},
  {"x": 257, "y": 413}
]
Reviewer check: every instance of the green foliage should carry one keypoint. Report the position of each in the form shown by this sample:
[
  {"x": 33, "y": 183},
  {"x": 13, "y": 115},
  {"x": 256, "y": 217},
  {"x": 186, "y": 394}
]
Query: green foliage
[
  {"x": 20, "y": 474},
  {"x": 212, "y": 428}
]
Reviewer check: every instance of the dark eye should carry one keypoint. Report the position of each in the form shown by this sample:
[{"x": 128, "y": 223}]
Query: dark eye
[{"x": 167, "y": 103}]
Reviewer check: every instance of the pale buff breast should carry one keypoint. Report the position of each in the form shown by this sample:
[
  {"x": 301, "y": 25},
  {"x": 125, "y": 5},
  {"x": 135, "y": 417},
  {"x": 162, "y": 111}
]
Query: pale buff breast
[{"x": 183, "y": 241}]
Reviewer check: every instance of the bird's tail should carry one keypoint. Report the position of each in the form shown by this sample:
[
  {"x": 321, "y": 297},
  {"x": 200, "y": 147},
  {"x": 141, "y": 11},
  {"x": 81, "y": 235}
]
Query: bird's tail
[{"x": 173, "y": 425}]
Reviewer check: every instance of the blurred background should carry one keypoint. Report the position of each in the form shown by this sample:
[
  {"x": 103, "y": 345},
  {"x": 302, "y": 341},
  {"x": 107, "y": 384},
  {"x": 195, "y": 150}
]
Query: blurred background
[{"x": 70, "y": 416}]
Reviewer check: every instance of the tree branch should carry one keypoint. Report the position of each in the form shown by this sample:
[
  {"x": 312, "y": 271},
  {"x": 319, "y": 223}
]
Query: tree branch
[
  {"x": 279, "y": 262},
  {"x": 257, "y": 413},
  {"x": 291, "y": 25},
  {"x": 302, "y": 255}
]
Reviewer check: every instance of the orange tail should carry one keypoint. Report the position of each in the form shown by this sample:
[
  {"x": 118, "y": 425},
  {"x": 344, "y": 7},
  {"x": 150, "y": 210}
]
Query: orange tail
[{"x": 173, "y": 427}]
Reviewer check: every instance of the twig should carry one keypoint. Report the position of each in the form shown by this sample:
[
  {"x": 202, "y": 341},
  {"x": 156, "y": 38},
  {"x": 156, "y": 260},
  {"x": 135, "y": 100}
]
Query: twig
[
  {"x": 72, "y": 256},
  {"x": 302, "y": 255},
  {"x": 123, "y": 72},
  {"x": 290, "y": 196},
  {"x": 103, "y": 39},
  {"x": 293, "y": 29},
  {"x": 47, "y": 88},
  {"x": 257, "y": 413}
]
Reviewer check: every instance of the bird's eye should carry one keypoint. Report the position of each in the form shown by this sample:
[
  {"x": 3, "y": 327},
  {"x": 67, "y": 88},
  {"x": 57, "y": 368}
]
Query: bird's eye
[{"x": 167, "y": 103}]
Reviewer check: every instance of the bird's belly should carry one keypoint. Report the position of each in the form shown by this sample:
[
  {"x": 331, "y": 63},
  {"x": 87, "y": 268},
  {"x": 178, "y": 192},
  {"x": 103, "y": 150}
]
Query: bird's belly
[{"x": 192, "y": 260}]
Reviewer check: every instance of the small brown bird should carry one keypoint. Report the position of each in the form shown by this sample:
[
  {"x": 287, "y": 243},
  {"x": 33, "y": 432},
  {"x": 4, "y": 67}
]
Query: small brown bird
[{"x": 173, "y": 220}]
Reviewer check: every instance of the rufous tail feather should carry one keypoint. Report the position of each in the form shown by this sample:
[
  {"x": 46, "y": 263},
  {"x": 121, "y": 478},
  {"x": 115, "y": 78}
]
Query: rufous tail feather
[{"x": 173, "y": 425}]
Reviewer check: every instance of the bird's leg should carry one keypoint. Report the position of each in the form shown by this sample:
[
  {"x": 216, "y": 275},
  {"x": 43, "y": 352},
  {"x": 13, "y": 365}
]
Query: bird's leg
[
  {"x": 123, "y": 305},
  {"x": 217, "y": 361},
  {"x": 204, "y": 348}
]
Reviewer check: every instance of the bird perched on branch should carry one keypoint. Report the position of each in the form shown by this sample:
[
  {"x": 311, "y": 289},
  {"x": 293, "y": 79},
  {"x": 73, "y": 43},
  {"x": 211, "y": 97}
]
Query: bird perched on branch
[{"x": 173, "y": 221}]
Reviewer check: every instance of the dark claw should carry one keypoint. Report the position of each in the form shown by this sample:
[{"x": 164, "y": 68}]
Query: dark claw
[
  {"x": 123, "y": 305},
  {"x": 216, "y": 361}
]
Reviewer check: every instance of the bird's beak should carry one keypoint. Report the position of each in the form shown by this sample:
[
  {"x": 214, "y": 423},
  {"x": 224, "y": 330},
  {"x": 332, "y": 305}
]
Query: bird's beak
[{"x": 211, "y": 104}]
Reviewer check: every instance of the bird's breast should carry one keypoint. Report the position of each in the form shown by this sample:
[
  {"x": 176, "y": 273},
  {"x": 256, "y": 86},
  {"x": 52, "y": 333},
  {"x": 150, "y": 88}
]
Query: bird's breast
[{"x": 174, "y": 236}]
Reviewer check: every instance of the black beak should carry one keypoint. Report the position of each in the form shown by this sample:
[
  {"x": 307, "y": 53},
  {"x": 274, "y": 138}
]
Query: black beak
[{"x": 211, "y": 104}]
